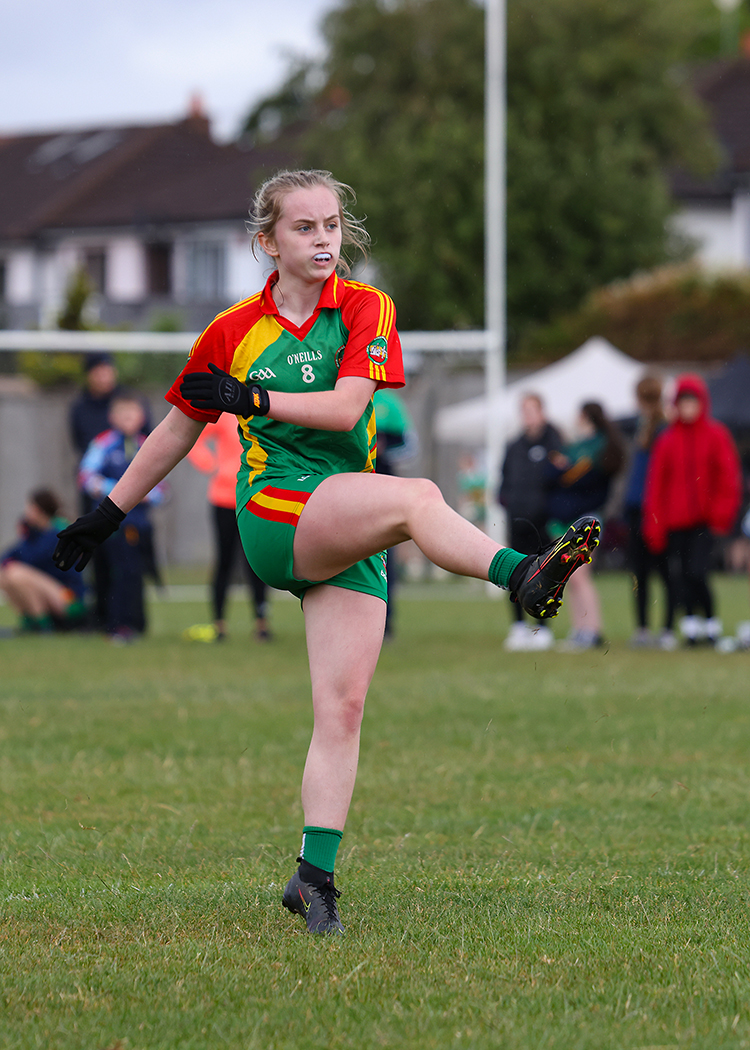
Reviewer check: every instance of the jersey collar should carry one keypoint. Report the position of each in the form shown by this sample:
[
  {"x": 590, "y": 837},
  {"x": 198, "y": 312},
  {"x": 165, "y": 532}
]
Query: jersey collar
[{"x": 330, "y": 295}]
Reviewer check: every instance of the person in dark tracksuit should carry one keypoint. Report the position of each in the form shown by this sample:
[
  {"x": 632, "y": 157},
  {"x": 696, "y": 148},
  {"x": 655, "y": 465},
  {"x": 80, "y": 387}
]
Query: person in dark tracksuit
[
  {"x": 89, "y": 417},
  {"x": 641, "y": 562},
  {"x": 125, "y": 553},
  {"x": 524, "y": 495}
]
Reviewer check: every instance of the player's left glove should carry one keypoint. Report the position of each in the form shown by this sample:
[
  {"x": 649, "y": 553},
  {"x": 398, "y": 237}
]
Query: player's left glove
[
  {"x": 218, "y": 391},
  {"x": 76, "y": 544}
]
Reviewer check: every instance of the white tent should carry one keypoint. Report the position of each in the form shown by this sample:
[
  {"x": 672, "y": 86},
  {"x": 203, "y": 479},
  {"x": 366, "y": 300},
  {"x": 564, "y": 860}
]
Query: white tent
[{"x": 596, "y": 371}]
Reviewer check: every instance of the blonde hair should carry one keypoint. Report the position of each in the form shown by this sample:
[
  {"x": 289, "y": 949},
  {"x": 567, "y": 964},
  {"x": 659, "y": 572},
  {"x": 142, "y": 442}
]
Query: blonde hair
[{"x": 269, "y": 201}]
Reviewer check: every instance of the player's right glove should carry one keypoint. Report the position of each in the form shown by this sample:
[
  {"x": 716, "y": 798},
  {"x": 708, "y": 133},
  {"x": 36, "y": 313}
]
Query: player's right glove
[
  {"x": 76, "y": 544},
  {"x": 218, "y": 391}
]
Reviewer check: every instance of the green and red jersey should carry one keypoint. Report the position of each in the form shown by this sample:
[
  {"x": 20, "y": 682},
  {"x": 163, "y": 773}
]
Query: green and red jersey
[{"x": 351, "y": 333}]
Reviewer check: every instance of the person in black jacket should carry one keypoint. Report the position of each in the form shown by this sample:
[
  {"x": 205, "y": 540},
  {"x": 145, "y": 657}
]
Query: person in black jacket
[
  {"x": 89, "y": 413},
  {"x": 523, "y": 494},
  {"x": 89, "y": 417}
]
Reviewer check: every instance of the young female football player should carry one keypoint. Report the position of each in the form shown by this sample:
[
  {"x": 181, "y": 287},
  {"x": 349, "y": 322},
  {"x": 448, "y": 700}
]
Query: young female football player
[{"x": 298, "y": 364}]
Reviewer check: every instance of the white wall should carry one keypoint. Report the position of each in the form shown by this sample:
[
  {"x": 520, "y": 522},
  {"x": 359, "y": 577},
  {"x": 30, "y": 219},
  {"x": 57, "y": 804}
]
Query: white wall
[
  {"x": 245, "y": 274},
  {"x": 741, "y": 216},
  {"x": 126, "y": 270},
  {"x": 41, "y": 277},
  {"x": 54, "y": 270},
  {"x": 720, "y": 232},
  {"x": 19, "y": 277}
]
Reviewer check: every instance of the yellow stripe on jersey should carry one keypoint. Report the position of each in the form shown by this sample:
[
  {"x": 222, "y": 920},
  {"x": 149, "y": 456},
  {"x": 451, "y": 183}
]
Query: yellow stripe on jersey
[
  {"x": 263, "y": 333},
  {"x": 377, "y": 372},
  {"x": 255, "y": 456},
  {"x": 372, "y": 444},
  {"x": 387, "y": 308},
  {"x": 225, "y": 313}
]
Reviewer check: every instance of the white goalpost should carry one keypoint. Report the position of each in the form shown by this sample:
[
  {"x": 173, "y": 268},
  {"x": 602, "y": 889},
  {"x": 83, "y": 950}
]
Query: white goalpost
[{"x": 463, "y": 342}]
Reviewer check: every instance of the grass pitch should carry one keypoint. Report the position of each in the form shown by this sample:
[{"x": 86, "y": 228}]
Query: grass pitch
[{"x": 544, "y": 850}]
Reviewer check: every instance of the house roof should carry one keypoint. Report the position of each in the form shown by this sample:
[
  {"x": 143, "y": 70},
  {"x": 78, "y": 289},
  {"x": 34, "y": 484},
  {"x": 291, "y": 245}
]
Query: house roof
[
  {"x": 724, "y": 88},
  {"x": 122, "y": 176}
]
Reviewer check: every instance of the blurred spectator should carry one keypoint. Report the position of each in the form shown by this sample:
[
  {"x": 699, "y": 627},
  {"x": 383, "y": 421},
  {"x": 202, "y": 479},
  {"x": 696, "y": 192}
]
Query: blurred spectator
[
  {"x": 396, "y": 441},
  {"x": 89, "y": 416},
  {"x": 693, "y": 492},
  {"x": 583, "y": 474},
  {"x": 45, "y": 598},
  {"x": 651, "y": 421},
  {"x": 89, "y": 413},
  {"x": 217, "y": 452},
  {"x": 127, "y": 552},
  {"x": 743, "y": 629},
  {"x": 471, "y": 480},
  {"x": 523, "y": 493}
]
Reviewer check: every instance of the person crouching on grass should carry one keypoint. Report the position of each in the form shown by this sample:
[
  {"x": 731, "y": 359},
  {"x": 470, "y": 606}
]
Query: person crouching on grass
[
  {"x": 298, "y": 364},
  {"x": 45, "y": 597}
]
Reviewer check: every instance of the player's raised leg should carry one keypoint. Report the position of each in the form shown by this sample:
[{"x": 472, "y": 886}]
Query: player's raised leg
[{"x": 352, "y": 516}]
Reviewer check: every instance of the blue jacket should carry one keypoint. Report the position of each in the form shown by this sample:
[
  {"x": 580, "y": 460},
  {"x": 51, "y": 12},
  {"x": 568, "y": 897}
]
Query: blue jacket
[
  {"x": 105, "y": 461},
  {"x": 35, "y": 549}
]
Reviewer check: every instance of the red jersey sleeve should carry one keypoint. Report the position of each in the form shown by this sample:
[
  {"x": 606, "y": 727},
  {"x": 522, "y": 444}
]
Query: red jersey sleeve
[
  {"x": 211, "y": 347},
  {"x": 373, "y": 349}
]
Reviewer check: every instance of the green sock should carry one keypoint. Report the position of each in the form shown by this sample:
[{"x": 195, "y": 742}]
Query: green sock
[
  {"x": 502, "y": 566},
  {"x": 37, "y": 623},
  {"x": 319, "y": 846}
]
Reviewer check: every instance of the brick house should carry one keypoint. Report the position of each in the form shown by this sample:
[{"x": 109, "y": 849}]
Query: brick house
[{"x": 154, "y": 214}]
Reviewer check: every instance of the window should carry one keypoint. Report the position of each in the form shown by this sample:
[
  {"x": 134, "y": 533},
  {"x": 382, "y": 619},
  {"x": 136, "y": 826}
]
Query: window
[
  {"x": 159, "y": 268},
  {"x": 206, "y": 265},
  {"x": 95, "y": 265}
]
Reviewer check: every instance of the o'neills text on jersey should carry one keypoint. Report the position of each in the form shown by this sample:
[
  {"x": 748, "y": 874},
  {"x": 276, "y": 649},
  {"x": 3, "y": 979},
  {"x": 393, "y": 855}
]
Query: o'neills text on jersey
[{"x": 303, "y": 356}]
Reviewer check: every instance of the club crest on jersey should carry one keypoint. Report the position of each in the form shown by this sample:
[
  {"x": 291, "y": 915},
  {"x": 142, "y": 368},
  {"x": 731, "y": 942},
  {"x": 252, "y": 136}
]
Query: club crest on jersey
[
  {"x": 377, "y": 351},
  {"x": 340, "y": 355}
]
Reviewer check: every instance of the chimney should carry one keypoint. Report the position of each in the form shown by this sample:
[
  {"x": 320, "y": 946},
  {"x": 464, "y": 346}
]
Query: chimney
[{"x": 197, "y": 117}]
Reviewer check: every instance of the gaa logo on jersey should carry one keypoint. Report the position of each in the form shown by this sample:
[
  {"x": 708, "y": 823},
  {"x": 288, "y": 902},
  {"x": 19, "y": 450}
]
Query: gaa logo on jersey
[{"x": 377, "y": 351}]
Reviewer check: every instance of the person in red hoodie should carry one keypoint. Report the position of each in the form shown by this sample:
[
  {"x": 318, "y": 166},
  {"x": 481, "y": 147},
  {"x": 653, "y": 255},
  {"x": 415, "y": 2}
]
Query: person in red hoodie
[{"x": 693, "y": 493}]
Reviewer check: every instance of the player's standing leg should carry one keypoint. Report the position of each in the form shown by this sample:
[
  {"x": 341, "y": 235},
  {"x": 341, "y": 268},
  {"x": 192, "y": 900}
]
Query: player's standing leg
[{"x": 344, "y": 631}]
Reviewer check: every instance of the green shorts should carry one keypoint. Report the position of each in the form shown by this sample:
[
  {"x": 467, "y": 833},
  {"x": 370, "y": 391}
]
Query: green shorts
[{"x": 267, "y": 524}]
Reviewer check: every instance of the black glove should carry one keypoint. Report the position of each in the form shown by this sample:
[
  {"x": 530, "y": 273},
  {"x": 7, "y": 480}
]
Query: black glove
[
  {"x": 221, "y": 392},
  {"x": 77, "y": 542}
]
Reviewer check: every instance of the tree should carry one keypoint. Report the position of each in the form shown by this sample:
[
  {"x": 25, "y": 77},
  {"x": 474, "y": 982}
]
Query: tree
[
  {"x": 596, "y": 116},
  {"x": 402, "y": 121}
]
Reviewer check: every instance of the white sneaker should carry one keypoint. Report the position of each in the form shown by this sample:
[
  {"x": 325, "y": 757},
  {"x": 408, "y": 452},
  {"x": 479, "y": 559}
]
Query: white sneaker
[
  {"x": 578, "y": 641},
  {"x": 667, "y": 641},
  {"x": 641, "y": 639},
  {"x": 693, "y": 629},
  {"x": 743, "y": 634},
  {"x": 519, "y": 639},
  {"x": 541, "y": 638},
  {"x": 712, "y": 630}
]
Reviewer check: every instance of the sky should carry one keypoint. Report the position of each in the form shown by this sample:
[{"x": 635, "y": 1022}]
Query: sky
[{"x": 77, "y": 63}]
